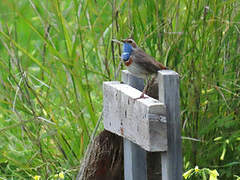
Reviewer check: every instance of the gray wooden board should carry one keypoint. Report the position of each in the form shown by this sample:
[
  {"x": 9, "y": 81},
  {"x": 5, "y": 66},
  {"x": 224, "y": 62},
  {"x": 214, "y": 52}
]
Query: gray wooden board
[
  {"x": 169, "y": 95},
  {"x": 141, "y": 121},
  {"x": 135, "y": 166}
]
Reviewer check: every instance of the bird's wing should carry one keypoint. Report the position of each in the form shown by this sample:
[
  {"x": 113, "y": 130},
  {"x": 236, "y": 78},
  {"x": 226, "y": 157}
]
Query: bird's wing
[{"x": 146, "y": 61}]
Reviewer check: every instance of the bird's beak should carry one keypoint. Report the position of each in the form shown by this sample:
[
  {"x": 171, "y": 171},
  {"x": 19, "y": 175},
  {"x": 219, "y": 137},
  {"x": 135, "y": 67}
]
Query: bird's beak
[
  {"x": 123, "y": 40},
  {"x": 117, "y": 41}
]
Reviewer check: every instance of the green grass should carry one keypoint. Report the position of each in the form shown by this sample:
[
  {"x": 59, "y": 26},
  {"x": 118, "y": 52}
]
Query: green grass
[{"x": 54, "y": 56}]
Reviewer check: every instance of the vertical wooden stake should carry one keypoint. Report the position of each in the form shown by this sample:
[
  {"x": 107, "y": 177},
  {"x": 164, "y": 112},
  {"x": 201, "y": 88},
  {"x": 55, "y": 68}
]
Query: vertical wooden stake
[
  {"x": 135, "y": 165},
  {"x": 168, "y": 88}
]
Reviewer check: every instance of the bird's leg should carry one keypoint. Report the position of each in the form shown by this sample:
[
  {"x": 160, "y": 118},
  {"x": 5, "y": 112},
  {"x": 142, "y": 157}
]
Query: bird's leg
[
  {"x": 145, "y": 89},
  {"x": 147, "y": 86},
  {"x": 152, "y": 81}
]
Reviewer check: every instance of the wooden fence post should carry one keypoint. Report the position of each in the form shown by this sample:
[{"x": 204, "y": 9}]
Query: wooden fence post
[
  {"x": 135, "y": 161},
  {"x": 150, "y": 128},
  {"x": 168, "y": 88}
]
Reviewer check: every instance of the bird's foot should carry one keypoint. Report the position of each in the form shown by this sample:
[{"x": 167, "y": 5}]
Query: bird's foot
[{"x": 141, "y": 97}]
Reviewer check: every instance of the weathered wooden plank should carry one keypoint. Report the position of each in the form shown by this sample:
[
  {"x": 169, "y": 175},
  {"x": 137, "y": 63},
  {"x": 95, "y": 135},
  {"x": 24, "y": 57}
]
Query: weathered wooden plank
[
  {"x": 141, "y": 121},
  {"x": 169, "y": 95}
]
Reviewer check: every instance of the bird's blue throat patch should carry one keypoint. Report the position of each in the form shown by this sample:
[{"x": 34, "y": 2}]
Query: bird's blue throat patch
[{"x": 127, "y": 49}]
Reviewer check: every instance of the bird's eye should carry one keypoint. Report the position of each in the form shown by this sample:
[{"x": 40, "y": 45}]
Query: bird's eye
[{"x": 129, "y": 41}]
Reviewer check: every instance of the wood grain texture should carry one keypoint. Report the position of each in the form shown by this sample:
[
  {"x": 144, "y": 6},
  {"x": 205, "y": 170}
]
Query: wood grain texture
[
  {"x": 106, "y": 158},
  {"x": 169, "y": 95},
  {"x": 141, "y": 121}
]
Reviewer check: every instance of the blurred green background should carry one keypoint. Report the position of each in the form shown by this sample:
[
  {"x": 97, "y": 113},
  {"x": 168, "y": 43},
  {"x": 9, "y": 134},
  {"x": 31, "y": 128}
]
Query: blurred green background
[{"x": 54, "y": 56}]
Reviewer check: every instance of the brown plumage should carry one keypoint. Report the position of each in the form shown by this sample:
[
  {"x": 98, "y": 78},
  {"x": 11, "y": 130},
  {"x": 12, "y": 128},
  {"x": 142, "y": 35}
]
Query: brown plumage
[
  {"x": 140, "y": 63},
  {"x": 147, "y": 61}
]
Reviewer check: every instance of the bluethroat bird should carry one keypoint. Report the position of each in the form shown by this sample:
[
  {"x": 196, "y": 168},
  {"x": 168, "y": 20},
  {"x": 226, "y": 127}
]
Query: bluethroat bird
[{"x": 139, "y": 63}]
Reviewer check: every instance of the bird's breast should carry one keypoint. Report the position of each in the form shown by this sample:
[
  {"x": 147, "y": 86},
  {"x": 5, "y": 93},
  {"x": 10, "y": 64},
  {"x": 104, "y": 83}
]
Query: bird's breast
[
  {"x": 135, "y": 68},
  {"x": 128, "y": 62}
]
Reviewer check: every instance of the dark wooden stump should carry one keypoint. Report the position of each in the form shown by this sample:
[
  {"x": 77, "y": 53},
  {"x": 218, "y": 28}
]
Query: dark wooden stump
[{"x": 106, "y": 159}]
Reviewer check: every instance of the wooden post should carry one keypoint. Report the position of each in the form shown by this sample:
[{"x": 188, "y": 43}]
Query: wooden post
[
  {"x": 168, "y": 88},
  {"x": 135, "y": 162},
  {"x": 150, "y": 128},
  {"x": 147, "y": 164}
]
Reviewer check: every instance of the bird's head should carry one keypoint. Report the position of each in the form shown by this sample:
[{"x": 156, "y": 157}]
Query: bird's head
[
  {"x": 128, "y": 45},
  {"x": 129, "y": 41}
]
